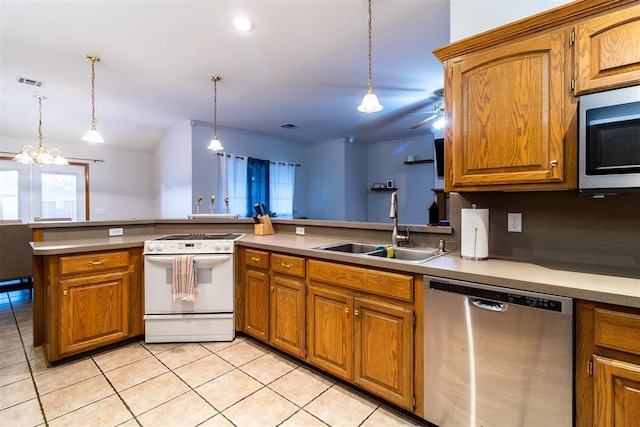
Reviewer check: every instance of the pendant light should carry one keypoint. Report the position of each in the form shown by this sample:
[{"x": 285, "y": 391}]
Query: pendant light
[
  {"x": 93, "y": 135},
  {"x": 215, "y": 145},
  {"x": 41, "y": 156},
  {"x": 370, "y": 103}
]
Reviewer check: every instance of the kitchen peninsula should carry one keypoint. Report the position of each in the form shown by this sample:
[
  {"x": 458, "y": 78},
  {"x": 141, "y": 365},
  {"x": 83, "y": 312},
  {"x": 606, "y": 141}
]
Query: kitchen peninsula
[{"x": 58, "y": 241}]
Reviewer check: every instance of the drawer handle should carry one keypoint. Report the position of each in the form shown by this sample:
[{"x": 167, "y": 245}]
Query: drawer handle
[
  {"x": 97, "y": 262},
  {"x": 346, "y": 310},
  {"x": 256, "y": 259},
  {"x": 554, "y": 163},
  {"x": 286, "y": 264},
  {"x": 65, "y": 292},
  {"x": 355, "y": 312}
]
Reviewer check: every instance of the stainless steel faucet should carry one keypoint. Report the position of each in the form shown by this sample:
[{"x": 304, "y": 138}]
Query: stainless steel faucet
[{"x": 396, "y": 237}]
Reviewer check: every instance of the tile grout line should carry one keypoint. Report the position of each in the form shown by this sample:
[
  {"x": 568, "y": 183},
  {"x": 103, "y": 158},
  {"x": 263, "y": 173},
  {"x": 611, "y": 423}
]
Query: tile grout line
[
  {"x": 26, "y": 356},
  {"x": 115, "y": 391}
]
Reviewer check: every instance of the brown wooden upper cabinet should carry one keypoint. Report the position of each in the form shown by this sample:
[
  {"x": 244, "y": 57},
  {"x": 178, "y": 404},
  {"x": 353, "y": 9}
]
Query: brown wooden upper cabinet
[
  {"x": 608, "y": 51},
  {"x": 510, "y": 94}
]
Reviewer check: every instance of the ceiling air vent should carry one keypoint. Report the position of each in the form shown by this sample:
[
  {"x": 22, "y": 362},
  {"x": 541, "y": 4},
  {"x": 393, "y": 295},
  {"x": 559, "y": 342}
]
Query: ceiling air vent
[
  {"x": 288, "y": 126},
  {"x": 29, "y": 82}
]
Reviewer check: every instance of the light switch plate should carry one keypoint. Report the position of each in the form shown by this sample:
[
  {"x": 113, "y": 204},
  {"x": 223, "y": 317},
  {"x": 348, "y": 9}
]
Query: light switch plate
[{"x": 300, "y": 231}]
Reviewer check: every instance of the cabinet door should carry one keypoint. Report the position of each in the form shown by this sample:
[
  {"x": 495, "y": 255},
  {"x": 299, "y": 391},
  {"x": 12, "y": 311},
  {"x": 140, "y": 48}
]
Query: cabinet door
[
  {"x": 507, "y": 115},
  {"x": 93, "y": 311},
  {"x": 257, "y": 304},
  {"x": 287, "y": 314},
  {"x": 330, "y": 324},
  {"x": 607, "y": 51},
  {"x": 617, "y": 393},
  {"x": 384, "y": 350}
]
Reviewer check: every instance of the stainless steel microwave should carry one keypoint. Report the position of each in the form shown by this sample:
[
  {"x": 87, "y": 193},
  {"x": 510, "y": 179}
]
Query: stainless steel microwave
[{"x": 609, "y": 142}]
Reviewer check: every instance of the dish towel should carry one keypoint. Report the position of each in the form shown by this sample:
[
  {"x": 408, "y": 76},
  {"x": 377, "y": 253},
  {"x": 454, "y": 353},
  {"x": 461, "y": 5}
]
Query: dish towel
[{"x": 185, "y": 278}]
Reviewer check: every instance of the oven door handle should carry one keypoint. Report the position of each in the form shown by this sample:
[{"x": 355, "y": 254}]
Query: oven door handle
[{"x": 168, "y": 259}]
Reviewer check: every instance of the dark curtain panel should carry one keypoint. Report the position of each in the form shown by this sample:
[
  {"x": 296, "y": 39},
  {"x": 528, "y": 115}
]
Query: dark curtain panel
[{"x": 258, "y": 183}]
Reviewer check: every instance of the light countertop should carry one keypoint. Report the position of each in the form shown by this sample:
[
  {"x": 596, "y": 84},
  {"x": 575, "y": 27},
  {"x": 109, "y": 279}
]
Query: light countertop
[{"x": 608, "y": 285}]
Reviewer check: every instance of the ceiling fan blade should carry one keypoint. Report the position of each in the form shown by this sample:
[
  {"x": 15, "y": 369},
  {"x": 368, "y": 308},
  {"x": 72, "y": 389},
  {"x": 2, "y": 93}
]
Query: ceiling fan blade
[{"x": 425, "y": 121}]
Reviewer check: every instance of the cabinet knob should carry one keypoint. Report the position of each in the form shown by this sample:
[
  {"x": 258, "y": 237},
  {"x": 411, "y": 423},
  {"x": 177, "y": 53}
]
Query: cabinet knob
[
  {"x": 355, "y": 312},
  {"x": 65, "y": 292},
  {"x": 346, "y": 310},
  {"x": 554, "y": 163},
  {"x": 271, "y": 287}
]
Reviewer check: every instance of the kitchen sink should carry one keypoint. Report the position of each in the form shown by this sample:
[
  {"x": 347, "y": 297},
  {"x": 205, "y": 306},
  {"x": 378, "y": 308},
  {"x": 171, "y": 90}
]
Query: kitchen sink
[
  {"x": 414, "y": 255},
  {"x": 352, "y": 247}
]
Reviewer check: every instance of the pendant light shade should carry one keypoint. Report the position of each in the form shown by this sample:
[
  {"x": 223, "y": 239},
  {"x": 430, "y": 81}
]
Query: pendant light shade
[
  {"x": 41, "y": 155},
  {"x": 215, "y": 144},
  {"x": 93, "y": 135},
  {"x": 370, "y": 103}
]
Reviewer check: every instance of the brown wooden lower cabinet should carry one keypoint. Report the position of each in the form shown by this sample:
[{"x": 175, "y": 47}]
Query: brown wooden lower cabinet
[
  {"x": 96, "y": 299},
  {"x": 607, "y": 365}
]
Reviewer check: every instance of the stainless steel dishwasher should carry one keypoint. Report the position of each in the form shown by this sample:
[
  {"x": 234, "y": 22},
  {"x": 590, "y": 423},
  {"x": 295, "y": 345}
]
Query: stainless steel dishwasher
[{"x": 496, "y": 356}]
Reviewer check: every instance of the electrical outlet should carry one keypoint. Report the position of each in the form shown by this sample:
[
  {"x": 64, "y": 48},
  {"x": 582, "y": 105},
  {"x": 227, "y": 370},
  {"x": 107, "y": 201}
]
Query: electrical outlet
[
  {"x": 514, "y": 222},
  {"x": 300, "y": 231},
  {"x": 116, "y": 232},
  {"x": 101, "y": 211}
]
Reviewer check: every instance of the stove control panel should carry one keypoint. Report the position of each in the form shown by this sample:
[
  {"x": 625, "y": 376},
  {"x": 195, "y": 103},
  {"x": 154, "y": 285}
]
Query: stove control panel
[{"x": 188, "y": 247}]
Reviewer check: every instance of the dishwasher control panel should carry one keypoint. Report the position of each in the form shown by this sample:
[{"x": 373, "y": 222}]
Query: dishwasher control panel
[{"x": 502, "y": 295}]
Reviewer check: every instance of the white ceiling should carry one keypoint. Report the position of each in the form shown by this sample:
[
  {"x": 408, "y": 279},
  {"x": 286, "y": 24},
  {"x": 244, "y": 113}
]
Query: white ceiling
[{"x": 304, "y": 62}]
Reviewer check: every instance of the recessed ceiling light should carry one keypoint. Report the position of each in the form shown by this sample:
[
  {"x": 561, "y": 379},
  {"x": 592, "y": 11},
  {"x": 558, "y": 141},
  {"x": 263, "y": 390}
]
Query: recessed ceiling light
[{"x": 242, "y": 24}]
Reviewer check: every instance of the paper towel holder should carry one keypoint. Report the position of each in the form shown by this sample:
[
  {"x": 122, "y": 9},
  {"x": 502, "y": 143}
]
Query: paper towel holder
[{"x": 474, "y": 243}]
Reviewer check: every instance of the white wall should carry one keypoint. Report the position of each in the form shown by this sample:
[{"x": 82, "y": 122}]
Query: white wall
[
  {"x": 122, "y": 185},
  {"x": 414, "y": 182},
  {"x": 172, "y": 171},
  {"x": 326, "y": 180},
  {"x": 470, "y": 17}
]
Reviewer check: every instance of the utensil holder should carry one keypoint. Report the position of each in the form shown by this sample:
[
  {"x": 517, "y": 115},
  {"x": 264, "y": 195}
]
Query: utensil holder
[{"x": 265, "y": 227}]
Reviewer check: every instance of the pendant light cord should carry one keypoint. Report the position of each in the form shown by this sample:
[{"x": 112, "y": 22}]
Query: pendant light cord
[
  {"x": 93, "y": 94},
  {"x": 215, "y": 105},
  {"x": 40, "y": 120},
  {"x": 370, "y": 57}
]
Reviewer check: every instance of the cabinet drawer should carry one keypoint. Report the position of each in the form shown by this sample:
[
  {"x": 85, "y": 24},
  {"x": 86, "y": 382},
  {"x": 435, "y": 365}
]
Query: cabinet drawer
[
  {"x": 258, "y": 259},
  {"x": 98, "y": 261},
  {"x": 617, "y": 330},
  {"x": 287, "y": 264},
  {"x": 383, "y": 283}
]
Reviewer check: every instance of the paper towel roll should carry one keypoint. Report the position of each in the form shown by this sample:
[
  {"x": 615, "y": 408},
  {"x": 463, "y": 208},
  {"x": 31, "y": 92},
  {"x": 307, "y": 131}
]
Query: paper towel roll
[{"x": 474, "y": 234}]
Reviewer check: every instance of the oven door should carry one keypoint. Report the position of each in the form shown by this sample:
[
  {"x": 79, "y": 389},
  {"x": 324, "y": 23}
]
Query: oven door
[{"x": 214, "y": 291}]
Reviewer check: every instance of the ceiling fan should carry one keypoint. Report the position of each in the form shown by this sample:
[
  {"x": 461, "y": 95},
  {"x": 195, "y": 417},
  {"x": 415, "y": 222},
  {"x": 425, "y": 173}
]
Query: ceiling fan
[{"x": 435, "y": 114}]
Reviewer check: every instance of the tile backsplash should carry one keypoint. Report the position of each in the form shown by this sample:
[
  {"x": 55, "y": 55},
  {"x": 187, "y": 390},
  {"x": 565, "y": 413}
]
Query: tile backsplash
[{"x": 559, "y": 226}]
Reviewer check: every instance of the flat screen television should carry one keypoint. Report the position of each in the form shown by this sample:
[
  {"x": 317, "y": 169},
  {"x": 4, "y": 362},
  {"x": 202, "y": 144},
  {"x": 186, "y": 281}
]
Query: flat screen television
[{"x": 439, "y": 154}]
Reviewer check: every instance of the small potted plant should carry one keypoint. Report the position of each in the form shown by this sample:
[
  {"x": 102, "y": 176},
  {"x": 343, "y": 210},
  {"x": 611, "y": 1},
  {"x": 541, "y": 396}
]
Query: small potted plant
[
  {"x": 213, "y": 200},
  {"x": 198, "y": 201}
]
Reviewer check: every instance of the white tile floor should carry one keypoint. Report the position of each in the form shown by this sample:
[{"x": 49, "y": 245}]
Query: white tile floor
[{"x": 241, "y": 383}]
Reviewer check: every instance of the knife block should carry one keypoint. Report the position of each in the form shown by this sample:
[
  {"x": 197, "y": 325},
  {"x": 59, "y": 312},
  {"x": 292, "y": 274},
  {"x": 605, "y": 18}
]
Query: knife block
[{"x": 265, "y": 227}]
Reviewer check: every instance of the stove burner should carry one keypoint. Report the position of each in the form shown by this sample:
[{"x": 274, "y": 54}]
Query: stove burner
[{"x": 227, "y": 236}]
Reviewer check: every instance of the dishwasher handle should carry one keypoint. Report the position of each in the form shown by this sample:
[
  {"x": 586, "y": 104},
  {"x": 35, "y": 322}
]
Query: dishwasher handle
[{"x": 489, "y": 305}]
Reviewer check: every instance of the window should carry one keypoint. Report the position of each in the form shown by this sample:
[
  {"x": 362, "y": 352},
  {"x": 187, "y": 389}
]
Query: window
[
  {"x": 250, "y": 181},
  {"x": 28, "y": 192}
]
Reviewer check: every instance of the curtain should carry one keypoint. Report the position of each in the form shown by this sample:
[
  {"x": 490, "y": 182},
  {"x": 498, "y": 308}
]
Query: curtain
[
  {"x": 282, "y": 185},
  {"x": 257, "y": 183},
  {"x": 233, "y": 183}
]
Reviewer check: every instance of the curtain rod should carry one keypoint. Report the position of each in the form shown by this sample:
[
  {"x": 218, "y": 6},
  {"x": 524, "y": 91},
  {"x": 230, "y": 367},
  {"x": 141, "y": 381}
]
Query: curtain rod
[
  {"x": 270, "y": 161},
  {"x": 70, "y": 158}
]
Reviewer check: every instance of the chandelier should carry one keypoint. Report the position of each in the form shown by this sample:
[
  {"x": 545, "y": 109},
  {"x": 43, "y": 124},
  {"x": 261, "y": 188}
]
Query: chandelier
[
  {"x": 41, "y": 156},
  {"x": 215, "y": 144},
  {"x": 370, "y": 103},
  {"x": 93, "y": 135}
]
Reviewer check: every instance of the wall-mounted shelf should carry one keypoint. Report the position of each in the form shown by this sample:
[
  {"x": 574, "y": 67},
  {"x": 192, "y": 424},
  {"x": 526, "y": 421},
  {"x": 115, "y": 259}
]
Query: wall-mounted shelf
[
  {"x": 383, "y": 189},
  {"x": 418, "y": 162}
]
